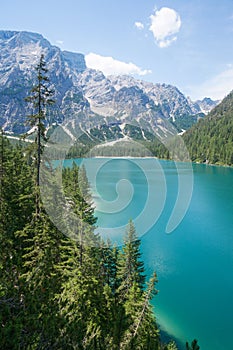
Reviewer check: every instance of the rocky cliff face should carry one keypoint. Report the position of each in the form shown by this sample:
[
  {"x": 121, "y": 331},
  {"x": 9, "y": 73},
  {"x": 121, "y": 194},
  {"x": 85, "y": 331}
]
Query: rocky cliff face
[
  {"x": 85, "y": 98},
  {"x": 206, "y": 105},
  {"x": 19, "y": 54}
]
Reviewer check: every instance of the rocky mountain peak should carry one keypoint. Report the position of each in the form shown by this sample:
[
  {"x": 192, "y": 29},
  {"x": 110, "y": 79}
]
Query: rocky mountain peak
[
  {"x": 75, "y": 60},
  {"x": 81, "y": 94}
]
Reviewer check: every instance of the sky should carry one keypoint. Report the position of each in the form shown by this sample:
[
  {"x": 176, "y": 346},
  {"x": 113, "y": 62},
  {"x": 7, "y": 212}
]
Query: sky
[{"x": 186, "y": 43}]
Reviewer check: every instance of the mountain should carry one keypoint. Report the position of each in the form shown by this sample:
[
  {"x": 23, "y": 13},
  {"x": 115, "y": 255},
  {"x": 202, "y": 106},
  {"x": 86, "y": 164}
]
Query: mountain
[
  {"x": 85, "y": 98},
  {"x": 206, "y": 105},
  {"x": 211, "y": 139},
  {"x": 19, "y": 53}
]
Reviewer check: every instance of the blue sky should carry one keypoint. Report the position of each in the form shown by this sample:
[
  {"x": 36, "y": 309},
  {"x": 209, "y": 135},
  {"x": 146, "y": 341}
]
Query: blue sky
[{"x": 186, "y": 43}]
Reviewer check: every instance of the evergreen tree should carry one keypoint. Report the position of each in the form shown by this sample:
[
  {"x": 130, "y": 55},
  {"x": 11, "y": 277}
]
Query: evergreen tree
[
  {"x": 130, "y": 265},
  {"x": 142, "y": 331},
  {"x": 134, "y": 322},
  {"x": 41, "y": 98},
  {"x": 82, "y": 303},
  {"x": 76, "y": 188},
  {"x": 41, "y": 281},
  {"x": 16, "y": 208},
  {"x": 59, "y": 292},
  {"x": 211, "y": 139},
  {"x": 170, "y": 346},
  {"x": 112, "y": 308},
  {"x": 109, "y": 266}
]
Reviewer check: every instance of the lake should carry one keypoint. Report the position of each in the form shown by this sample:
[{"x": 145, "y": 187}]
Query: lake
[{"x": 194, "y": 262}]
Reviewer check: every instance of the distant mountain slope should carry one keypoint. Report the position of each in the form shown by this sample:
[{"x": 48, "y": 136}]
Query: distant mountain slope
[
  {"x": 19, "y": 54},
  {"x": 211, "y": 139},
  {"x": 85, "y": 98}
]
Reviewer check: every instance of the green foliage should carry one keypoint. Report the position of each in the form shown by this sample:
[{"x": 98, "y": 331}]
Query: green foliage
[
  {"x": 16, "y": 208},
  {"x": 57, "y": 292},
  {"x": 185, "y": 122},
  {"x": 171, "y": 346},
  {"x": 40, "y": 99},
  {"x": 130, "y": 266},
  {"x": 141, "y": 142},
  {"x": 211, "y": 139},
  {"x": 40, "y": 279},
  {"x": 76, "y": 188}
]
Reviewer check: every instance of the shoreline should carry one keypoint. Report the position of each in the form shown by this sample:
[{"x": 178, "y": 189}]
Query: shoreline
[
  {"x": 131, "y": 157},
  {"x": 153, "y": 157},
  {"x": 165, "y": 337}
]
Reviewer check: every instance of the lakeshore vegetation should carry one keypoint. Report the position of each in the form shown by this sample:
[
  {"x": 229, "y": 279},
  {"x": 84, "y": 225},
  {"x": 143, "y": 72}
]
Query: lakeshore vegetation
[
  {"x": 66, "y": 291},
  {"x": 208, "y": 141}
]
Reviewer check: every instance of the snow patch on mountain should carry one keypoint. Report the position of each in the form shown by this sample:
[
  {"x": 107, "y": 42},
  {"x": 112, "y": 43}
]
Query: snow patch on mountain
[{"x": 85, "y": 98}]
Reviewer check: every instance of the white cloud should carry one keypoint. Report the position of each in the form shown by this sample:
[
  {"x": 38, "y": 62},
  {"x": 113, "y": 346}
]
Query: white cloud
[
  {"x": 111, "y": 66},
  {"x": 216, "y": 88},
  {"x": 60, "y": 42},
  {"x": 139, "y": 25},
  {"x": 165, "y": 23},
  {"x": 167, "y": 42}
]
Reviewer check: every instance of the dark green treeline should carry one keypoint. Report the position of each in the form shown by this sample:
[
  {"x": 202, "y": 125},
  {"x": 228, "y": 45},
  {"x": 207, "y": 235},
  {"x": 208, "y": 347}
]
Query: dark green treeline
[
  {"x": 70, "y": 291},
  {"x": 211, "y": 139},
  {"x": 57, "y": 292}
]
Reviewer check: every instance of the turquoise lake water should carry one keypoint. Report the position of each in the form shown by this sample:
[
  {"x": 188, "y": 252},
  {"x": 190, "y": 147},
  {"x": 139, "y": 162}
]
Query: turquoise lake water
[{"x": 194, "y": 262}]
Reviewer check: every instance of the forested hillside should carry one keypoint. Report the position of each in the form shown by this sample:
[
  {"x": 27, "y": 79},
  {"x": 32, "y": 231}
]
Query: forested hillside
[
  {"x": 65, "y": 291},
  {"x": 59, "y": 293},
  {"x": 211, "y": 139}
]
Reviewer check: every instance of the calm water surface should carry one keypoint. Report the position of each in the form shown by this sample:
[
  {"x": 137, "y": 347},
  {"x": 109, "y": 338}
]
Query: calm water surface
[{"x": 194, "y": 263}]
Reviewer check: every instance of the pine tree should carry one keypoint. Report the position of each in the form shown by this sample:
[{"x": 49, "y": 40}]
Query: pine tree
[
  {"x": 112, "y": 308},
  {"x": 41, "y": 280},
  {"x": 81, "y": 208},
  {"x": 41, "y": 98},
  {"x": 80, "y": 299},
  {"x": 16, "y": 208},
  {"x": 82, "y": 303},
  {"x": 130, "y": 265},
  {"x": 129, "y": 281},
  {"x": 109, "y": 266},
  {"x": 142, "y": 331},
  {"x": 77, "y": 191},
  {"x": 171, "y": 346}
]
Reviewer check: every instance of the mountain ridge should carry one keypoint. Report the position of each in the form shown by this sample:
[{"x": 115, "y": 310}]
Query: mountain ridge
[{"x": 85, "y": 98}]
